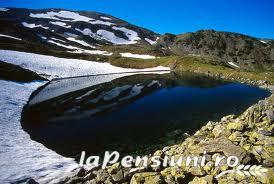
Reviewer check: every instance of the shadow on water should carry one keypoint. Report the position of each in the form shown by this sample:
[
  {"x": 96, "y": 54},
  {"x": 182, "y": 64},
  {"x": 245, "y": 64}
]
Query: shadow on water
[{"x": 132, "y": 114}]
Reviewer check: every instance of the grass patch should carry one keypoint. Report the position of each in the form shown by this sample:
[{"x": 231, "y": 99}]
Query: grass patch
[{"x": 197, "y": 65}]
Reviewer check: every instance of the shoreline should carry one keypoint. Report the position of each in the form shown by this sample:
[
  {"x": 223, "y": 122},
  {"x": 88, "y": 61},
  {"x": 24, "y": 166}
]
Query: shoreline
[
  {"x": 225, "y": 132},
  {"x": 255, "y": 124}
]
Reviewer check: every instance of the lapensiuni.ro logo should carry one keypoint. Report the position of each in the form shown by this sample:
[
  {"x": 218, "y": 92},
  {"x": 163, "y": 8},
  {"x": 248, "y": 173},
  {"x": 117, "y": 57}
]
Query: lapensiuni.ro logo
[{"x": 139, "y": 163}]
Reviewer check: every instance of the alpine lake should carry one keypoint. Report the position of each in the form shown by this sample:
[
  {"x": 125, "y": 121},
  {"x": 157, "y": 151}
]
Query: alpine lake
[{"x": 132, "y": 114}]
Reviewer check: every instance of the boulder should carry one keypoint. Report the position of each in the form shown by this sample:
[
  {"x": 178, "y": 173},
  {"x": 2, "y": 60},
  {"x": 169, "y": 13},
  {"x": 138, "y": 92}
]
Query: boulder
[
  {"x": 235, "y": 126},
  {"x": 221, "y": 144},
  {"x": 202, "y": 180},
  {"x": 218, "y": 130},
  {"x": 147, "y": 178}
]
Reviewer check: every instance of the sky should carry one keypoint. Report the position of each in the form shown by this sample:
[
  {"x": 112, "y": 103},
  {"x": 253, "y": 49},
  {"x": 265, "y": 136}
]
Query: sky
[{"x": 251, "y": 17}]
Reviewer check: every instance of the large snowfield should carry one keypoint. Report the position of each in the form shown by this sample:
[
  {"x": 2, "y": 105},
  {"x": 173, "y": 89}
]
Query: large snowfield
[
  {"x": 20, "y": 157},
  {"x": 55, "y": 67}
]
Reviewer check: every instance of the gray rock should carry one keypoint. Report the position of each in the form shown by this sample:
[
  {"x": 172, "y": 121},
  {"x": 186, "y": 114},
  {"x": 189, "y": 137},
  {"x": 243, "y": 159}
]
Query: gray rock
[
  {"x": 270, "y": 114},
  {"x": 221, "y": 144},
  {"x": 102, "y": 175},
  {"x": 81, "y": 172},
  {"x": 31, "y": 181},
  {"x": 75, "y": 180},
  {"x": 265, "y": 133},
  {"x": 218, "y": 130},
  {"x": 119, "y": 176},
  {"x": 147, "y": 178}
]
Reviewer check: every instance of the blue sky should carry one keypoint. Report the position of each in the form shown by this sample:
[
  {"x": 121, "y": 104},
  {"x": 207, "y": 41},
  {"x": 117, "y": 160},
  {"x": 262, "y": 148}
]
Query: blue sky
[{"x": 251, "y": 17}]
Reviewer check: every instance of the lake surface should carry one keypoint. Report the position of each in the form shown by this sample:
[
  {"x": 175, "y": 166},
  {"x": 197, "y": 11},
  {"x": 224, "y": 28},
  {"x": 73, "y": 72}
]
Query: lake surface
[{"x": 133, "y": 114}]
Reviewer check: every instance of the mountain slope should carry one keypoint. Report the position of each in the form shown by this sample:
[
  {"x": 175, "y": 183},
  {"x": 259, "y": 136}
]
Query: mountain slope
[
  {"x": 100, "y": 28},
  {"x": 236, "y": 50},
  {"x": 100, "y": 37},
  {"x": 78, "y": 32}
]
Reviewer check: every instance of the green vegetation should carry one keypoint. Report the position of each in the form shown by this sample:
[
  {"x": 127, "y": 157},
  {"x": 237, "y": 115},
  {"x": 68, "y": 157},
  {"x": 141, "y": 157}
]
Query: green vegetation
[{"x": 198, "y": 65}]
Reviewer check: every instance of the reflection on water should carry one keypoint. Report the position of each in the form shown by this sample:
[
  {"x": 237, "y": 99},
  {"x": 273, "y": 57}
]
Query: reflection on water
[{"x": 133, "y": 113}]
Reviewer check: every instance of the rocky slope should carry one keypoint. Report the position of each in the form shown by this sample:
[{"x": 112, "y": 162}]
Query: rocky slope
[{"x": 230, "y": 49}]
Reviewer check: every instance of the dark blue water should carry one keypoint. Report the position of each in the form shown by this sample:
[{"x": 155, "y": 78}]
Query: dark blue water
[{"x": 135, "y": 114}]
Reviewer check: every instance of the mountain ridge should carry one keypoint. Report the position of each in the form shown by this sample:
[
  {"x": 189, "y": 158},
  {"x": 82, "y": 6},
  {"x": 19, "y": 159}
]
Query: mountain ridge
[
  {"x": 99, "y": 36},
  {"x": 238, "y": 50}
]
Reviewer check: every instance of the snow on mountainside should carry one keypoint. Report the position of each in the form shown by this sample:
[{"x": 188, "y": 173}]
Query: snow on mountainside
[
  {"x": 94, "y": 28},
  {"x": 54, "y": 67},
  {"x": 7, "y": 36}
]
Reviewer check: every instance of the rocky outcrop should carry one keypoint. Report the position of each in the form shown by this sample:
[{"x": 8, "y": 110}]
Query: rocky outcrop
[
  {"x": 16, "y": 73},
  {"x": 230, "y": 49},
  {"x": 248, "y": 136}
]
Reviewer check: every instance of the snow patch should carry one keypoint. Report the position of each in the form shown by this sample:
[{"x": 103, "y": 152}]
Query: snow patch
[
  {"x": 7, "y": 36},
  {"x": 62, "y": 67},
  {"x": 62, "y": 14},
  {"x": 140, "y": 56},
  {"x": 62, "y": 24},
  {"x": 56, "y": 39},
  {"x": 4, "y": 9},
  {"x": 99, "y": 52},
  {"x": 151, "y": 42},
  {"x": 68, "y": 16},
  {"x": 233, "y": 64},
  {"x": 77, "y": 50},
  {"x": 101, "y": 22},
  {"x": 132, "y": 35},
  {"x": 88, "y": 32},
  {"x": 62, "y": 45},
  {"x": 110, "y": 36},
  {"x": 70, "y": 34},
  {"x": 25, "y": 24},
  {"x": 105, "y": 18},
  {"x": 42, "y": 37},
  {"x": 80, "y": 42}
]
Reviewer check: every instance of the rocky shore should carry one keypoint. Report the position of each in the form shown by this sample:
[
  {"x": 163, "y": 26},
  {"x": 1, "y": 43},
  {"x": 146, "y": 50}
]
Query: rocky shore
[{"x": 248, "y": 136}]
